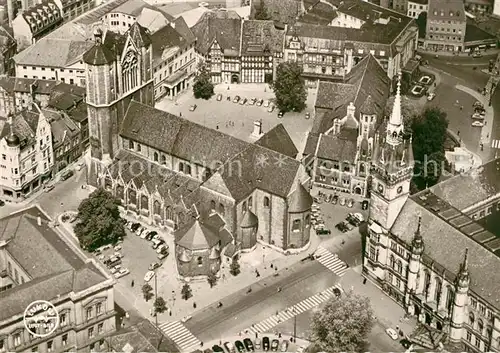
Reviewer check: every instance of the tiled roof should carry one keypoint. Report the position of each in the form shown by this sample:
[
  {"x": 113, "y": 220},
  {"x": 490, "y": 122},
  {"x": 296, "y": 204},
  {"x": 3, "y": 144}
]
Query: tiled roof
[
  {"x": 167, "y": 38},
  {"x": 227, "y": 33},
  {"x": 65, "y": 96},
  {"x": 258, "y": 37},
  {"x": 335, "y": 148},
  {"x": 465, "y": 190},
  {"x": 152, "y": 19},
  {"x": 284, "y": 11},
  {"x": 249, "y": 220},
  {"x": 446, "y": 10},
  {"x": 24, "y": 125},
  {"x": 42, "y": 16},
  {"x": 197, "y": 236},
  {"x": 24, "y": 85},
  {"x": 139, "y": 35},
  {"x": 311, "y": 143},
  {"x": 421, "y": 2},
  {"x": 321, "y": 14},
  {"x": 182, "y": 27},
  {"x": 193, "y": 16},
  {"x": 300, "y": 200},
  {"x": 278, "y": 139},
  {"x": 474, "y": 33},
  {"x": 131, "y": 8},
  {"x": 435, "y": 231},
  {"x": 62, "y": 127}
]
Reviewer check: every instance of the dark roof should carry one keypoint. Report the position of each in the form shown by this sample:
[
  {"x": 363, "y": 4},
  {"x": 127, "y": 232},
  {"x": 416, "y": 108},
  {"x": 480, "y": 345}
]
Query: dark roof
[
  {"x": 24, "y": 85},
  {"x": 311, "y": 143},
  {"x": 300, "y": 200},
  {"x": 98, "y": 55},
  {"x": 259, "y": 37},
  {"x": 197, "y": 236},
  {"x": 227, "y": 33},
  {"x": 446, "y": 10},
  {"x": 139, "y": 35},
  {"x": 320, "y": 14},
  {"x": 474, "y": 33},
  {"x": 65, "y": 96},
  {"x": 278, "y": 139},
  {"x": 59, "y": 271},
  {"x": 422, "y": 2},
  {"x": 249, "y": 220},
  {"x": 284, "y": 11},
  {"x": 42, "y": 16},
  {"x": 182, "y": 27},
  {"x": 113, "y": 44},
  {"x": 165, "y": 38},
  {"x": 62, "y": 128},
  {"x": 24, "y": 126},
  {"x": 335, "y": 148},
  {"x": 465, "y": 190}
]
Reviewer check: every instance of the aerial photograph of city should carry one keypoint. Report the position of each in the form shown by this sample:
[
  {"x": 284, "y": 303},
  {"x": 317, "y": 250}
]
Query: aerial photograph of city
[{"x": 233, "y": 176}]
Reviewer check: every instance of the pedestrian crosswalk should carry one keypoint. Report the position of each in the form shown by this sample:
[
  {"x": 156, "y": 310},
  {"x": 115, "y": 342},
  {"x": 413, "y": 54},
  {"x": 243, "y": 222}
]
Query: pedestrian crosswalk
[
  {"x": 495, "y": 144},
  {"x": 181, "y": 336},
  {"x": 299, "y": 308},
  {"x": 331, "y": 261}
]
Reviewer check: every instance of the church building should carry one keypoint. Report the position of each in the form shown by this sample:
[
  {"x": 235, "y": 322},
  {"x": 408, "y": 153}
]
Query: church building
[
  {"x": 174, "y": 173},
  {"x": 429, "y": 252}
]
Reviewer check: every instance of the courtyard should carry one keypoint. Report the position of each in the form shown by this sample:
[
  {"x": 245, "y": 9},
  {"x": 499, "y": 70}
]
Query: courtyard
[{"x": 238, "y": 120}]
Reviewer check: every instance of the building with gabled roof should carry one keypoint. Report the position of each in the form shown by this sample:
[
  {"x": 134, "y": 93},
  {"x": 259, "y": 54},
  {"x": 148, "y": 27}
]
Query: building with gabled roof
[
  {"x": 346, "y": 118},
  {"x": 38, "y": 263}
]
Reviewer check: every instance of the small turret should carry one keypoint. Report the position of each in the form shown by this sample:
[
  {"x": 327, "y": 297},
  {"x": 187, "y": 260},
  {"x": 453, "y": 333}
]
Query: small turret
[
  {"x": 463, "y": 279},
  {"x": 417, "y": 244},
  {"x": 12, "y": 139}
]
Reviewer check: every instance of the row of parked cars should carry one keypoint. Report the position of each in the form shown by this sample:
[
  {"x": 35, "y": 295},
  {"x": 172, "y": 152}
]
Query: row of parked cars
[
  {"x": 252, "y": 101},
  {"x": 247, "y": 345},
  {"x": 113, "y": 261},
  {"x": 317, "y": 221},
  {"x": 352, "y": 220}
]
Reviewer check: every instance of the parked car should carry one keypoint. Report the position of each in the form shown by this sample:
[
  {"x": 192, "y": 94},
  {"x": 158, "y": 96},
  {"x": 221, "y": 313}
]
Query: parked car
[
  {"x": 477, "y": 116},
  {"x": 153, "y": 266},
  {"x": 162, "y": 256},
  {"x": 392, "y": 333},
  {"x": 323, "y": 231},
  {"x": 477, "y": 55},
  {"x": 157, "y": 243},
  {"x": 337, "y": 292},
  {"x": 431, "y": 96},
  {"x": 260, "y": 102},
  {"x": 284, "y": 346},
  {"x": 280, "y": 114},
  {"x": 144, "y": 234},
  {"x": 477, "y": 123},
  {"x": 79, "y": 166},
  {"x": 193, "y": 108},
  {"x": 342, "y": 201},
  {"x": 364, "y": 204},
  {"x": 252, "y": 101},
  {"x": 117, "y": 248},
  {"x": 266, "y": 103},
  {"x": 275, "y": 345},
  {"x": 148, "y": 276},
  {"x": 349, "y": 226},
  {"x": 258, "y": 343},
  {"x": 478, "y": 104},
  {"x": 342, "y": 227},
  {"x": 248, "y": 344},
  {"x": 353, "y": 220},
  {"x": 162, "y": 249},
  {"x": 219, "y": 97},
  {"x": 134, "y": 227},
  {"x": 271, "y": 108},
  {"x": 217, "y": 349},
  {"x": 236, "y": 99},
  {"x": 335, "y": 199},
  {"x": 229, "y": 347},
  {"x": 48, "y": 187},
  {"x": 240, "y": 346},
  {"x": 122, "y": 272},
  {"x": 243, "y": 101},
  {"x": 66, "y": 175},
  {"x": 150, "y": 236},
  {"x": 350, "y": 203},
  {"x": 266, "y": 344}
]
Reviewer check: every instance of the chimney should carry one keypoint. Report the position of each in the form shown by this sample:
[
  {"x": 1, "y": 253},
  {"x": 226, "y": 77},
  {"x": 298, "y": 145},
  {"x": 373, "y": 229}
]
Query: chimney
[
  {"x": 39, "y": 221},
  {"x": 257, "y": 128}
]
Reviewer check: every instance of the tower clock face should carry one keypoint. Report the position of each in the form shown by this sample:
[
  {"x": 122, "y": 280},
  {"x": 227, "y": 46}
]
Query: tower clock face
[{"x": 380, "y": 188}]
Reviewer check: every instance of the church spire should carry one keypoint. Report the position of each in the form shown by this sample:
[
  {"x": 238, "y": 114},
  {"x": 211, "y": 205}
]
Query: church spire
[
  {"x": 395, "y": 118},
  {"x": 463, "y": 276},
  {"x": 418, "y": 242}
]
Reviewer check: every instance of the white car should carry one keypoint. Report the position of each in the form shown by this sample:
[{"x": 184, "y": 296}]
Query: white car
[
  {"x": 266, "y": 104},
  {"x": 478, "y": 123},
  {"x": 359, "y": 217},
  {"x": 431, "y": 96},
  {"x": 122, "y": 272},
  {"x": 101, "y": 257},
  {"x": 148, "y": 276},
  {"x": 203, "y": 4},
  {"x": 79, "y": 166},
  {"x": 342, "y": 201},
  {"x": 392, "y": 333},
  {"x": 117, "y": 248}
]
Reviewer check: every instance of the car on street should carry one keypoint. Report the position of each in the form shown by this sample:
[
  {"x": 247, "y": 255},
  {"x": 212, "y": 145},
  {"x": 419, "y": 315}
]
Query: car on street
[
  {"x": 301, "y": 349},
  {"x": 162, "y": 249},
  {"x": 335, "y": 199},
  {"x": 150, "y": 236},
  {"x": 266, "y": 344},
  {"x": 219, "y": 97},
  {"x": 477, "y": 116},
  {"x": 337, "y": 292},
  {"x": 248, "y": 344},
  {"x": 229, "y": 347},
  {"x": 350, "y": 203},
  {"x": 240, "y": 346},
  {"x": 157, "y": 243},
  {"x": 349, "y": 226},
  {"x": 115, "y": 269},
  {"x": 308, "y": 115},
  {"x": 243, "y": 101},
  {"x": 392, "y": 333},
  {"x": 144, "y": 234},
  {"x": 477, "y": 123},
  {"x": 48, "y": 187},
  {"x": 122, "y": 272},
  {"x": 275, "y": 345},
  {"x": 153, "y": 266},
  {"x": 353, "y": 220},
  {"x": 478, "y": 104},
  {"x": 431, "y": 96},
  {"x": 323, "y": 231},
  {"x": 342, "y": 227},
  {"x": 271, "y": 108},
  {"x": 79, "y": 166},
  {"x": 217, "y": 349},
  {"x": 148, "y": 276},
  {"x": 342, "y": 201},
  {"x": 203, "y": 4},
  {"x": 258, "y": 343},
  {"x": 236, "y": 99},
  {"x": 280, "y": 114},
  {"x": 252, "y": 101},
  {"x": 101, "y": 257},
  {"x": 477, "y": 55},
  {"x": 193, "y": 108},
  {"x": 260, "y": 102},
  {"x": 284, "y": 346},
  {"x": 134, "y": 227},
  {"x": 364, "y": 204},
  {"x": 162, "y": 256},
  {"x": 66, "y": 175},
  {"x": 266, "y": 103},
  {"x": 117, "y": 248}
]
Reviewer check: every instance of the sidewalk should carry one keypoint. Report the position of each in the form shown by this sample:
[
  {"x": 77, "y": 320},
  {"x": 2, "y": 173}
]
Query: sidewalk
[
  {"x": 452, "y": 54},
  {"x": 292, "y": 347}
]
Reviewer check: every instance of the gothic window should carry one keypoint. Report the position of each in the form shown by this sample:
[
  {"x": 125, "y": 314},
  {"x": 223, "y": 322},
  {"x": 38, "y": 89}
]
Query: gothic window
[
  {"x": 181, "y": 167},
  {"x": 200, "y": 261},
  {"x": 266, "y": 201},
  {"x": 480, "y": 326},
  {"x": 144, "y": 202},
  {"x": 131, "y": 144},
  {"x": 212, "y": 205},
  {"x": 392, "y": 261},
  {"x": 449, "y": 297},
  {"x": 427, "y": 283},
  {"x": 132, "y": 196},
  {"x": 119, "y": 192},
  {"x": 400, "y": 267},
  {"x": 362, "y": 165},
  {"x": 108, "y": 184},
  {"x": 308, "y": 221},
  {"x": 163, "y": 159},
  {"x": 472, "y": 319},
  {"x": 155, "y": 156},
  {"x": 222, "y": 209},
  {"x": 296, "y": 225},
  {"x": 188, "y": 169},
  {"x": 244, "y": 206},
  {"x": 157, "y": 207},
  {"x": 250, "y": 202},
  {"x": 130, "y": 71},
  {"x": 138, "y": 147},
  {"x": 437, "y": 293},
  {"x": 168, "y": 213}
]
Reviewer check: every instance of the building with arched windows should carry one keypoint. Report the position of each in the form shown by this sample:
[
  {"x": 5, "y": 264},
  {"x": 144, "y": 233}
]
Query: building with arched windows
[
  {"x": 436, "y": 252},
  {"x": 174, "y": 173}
]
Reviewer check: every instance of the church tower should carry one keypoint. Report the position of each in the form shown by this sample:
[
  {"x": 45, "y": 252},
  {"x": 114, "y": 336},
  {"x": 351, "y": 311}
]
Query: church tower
[
  {"x": 417, "y": 249},
  {"x": 118, "y": 69},
  {"x": 392, "y": 168},
  {"x": 461, "y": 299}
]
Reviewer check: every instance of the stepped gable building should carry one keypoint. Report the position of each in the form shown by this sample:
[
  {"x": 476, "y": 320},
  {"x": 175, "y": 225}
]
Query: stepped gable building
[
  {"x": 347, "y": 117},
  {"x": 37, "y": 263},
  {"x": 159, "y": 164},
  {"x": 329, "y": 48},
  {"x": 453, "y": 290}
]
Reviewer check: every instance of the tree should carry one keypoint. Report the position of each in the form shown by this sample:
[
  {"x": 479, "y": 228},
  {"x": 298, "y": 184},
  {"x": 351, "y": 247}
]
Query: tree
[
  {"x": 409, "y": 109},
  {"x": 147, "y": 291},
  {"x": 203, "y": 86},
  {"x": 98, "y": 220},
  {"x": 289, "y": 87},
  {"x": 212, "y": 280},
  {"x": 342, "y": 325},
  {"x": 429, "y": 136},
  {"x": 186, "y": 292},
  {"x": 422, "y": 23},
  {"x": 160, "y": 305},
  {"x": 262, "y": 13},
  {"x": 235, "y": 267}
]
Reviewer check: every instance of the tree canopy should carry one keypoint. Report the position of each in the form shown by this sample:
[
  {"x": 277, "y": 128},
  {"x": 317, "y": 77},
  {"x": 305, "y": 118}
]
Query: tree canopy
[
  {"x": 262, "y": 13},
  {"x": 98, "y": 220},
  {"x": 289, "y": 87},
  {"x": 422, "y": 23},
  {"x": 342, "y": 325},
  {"x": 429, "y": 136},
  {"x": 203, "y": 87}
]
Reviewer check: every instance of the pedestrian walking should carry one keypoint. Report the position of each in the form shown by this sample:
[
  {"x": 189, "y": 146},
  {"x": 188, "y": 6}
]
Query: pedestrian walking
[
  {"x": 132, "y": 284},
  {"x": 461, "y": 107},
  {"x": 180, "y": 114},
  {"x": 487, "y": 136},
  {"x": 194, "y": 305},
  {"x": 217, "y": 127},
  {"x": 458, "y": 133},
  {"x": 201, "y": 344}
]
